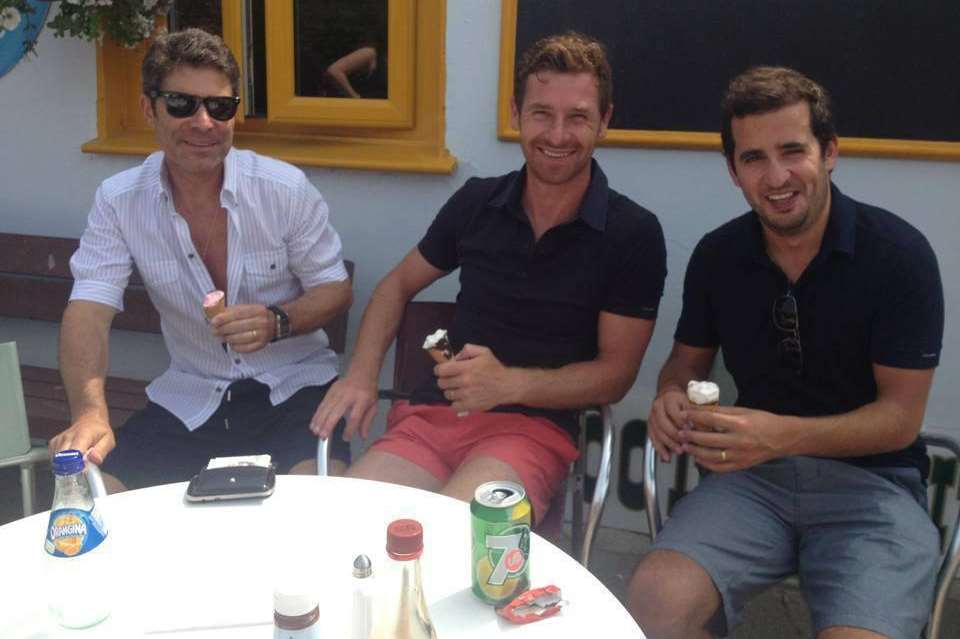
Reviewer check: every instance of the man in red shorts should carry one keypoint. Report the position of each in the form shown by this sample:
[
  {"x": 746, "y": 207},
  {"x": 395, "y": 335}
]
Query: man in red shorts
[{"x": 560, "y": 280}]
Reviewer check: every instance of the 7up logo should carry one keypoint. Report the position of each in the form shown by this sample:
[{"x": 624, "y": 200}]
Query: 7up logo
[{"x": 508, "y": 553}]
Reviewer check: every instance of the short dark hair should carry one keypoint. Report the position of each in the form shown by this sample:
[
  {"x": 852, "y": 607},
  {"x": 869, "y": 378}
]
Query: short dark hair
[
  {"x": 192, "y": 48},
  {"x": 765, "y": 89},
  {"x": 570, "y": 52}
]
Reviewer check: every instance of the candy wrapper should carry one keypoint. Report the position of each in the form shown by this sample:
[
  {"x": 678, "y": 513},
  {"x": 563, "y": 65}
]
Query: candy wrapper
[{"x": 533, "y": 605}]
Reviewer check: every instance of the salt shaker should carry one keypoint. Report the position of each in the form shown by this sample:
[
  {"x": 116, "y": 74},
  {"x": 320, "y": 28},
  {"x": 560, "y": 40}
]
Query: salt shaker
[{"x": 362, "y": 625}]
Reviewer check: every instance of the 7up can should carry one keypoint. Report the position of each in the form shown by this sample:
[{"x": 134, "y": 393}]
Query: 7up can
[{"x": 500, "y": 514}]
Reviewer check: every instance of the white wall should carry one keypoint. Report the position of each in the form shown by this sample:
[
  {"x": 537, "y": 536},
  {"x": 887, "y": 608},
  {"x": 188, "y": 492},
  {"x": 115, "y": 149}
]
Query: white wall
[{"x": 46, "y": 184}]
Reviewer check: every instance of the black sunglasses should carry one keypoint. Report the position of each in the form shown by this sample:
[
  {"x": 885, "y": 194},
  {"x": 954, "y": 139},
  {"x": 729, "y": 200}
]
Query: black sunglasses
[
  {"x": 184, "y": 105},
  {"x": 787, "y": 320}
]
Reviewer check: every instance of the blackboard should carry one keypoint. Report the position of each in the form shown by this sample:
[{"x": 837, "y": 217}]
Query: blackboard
[{"x": 889, "y": 64}]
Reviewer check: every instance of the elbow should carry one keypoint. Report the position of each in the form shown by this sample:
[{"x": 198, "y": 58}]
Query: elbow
[
  {"x": 347, "y": 298},
  {"x": 618, "y": 387}
]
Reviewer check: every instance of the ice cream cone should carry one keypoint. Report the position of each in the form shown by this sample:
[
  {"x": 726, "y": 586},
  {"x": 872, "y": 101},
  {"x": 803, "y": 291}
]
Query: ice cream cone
[
  {"x": 704, "y": 396},
  {"x": 438, "y": 347},
  {"x": 214, "y": 303}
]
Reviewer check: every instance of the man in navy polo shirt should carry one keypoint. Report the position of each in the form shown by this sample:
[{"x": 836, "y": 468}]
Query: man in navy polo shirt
[
  {"x": 560, "y": 280},
  {"x": 829, "y": 313}
]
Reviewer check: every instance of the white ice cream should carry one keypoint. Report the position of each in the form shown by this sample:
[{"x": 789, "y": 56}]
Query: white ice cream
[
  {"x": 703, "y": 392},
  {"x": 435, "y": 339}
]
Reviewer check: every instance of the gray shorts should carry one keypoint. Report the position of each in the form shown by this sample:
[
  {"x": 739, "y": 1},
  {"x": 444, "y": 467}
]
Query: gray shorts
[{"x": 860, "y": 540}]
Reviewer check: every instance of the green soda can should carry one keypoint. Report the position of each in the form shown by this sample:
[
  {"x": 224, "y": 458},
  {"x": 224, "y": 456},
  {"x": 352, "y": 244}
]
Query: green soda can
[{"x": 500, "y": 513}]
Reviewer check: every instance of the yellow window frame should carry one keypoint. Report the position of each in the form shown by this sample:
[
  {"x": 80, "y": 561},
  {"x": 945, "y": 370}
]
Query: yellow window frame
[
  {"x": 283, "y": 105},
  {"x": 405, "y": 132}
]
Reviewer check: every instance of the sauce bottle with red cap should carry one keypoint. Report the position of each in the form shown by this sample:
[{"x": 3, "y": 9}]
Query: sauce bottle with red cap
[{"x": 402, "y": 613}]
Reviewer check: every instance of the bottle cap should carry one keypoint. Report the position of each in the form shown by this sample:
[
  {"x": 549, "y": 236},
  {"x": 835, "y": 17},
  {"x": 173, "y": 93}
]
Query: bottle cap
[
  {"x": 292, "y": 601},
  {"x": 404, "y": 539},
  {"x": 362, "y": 567},
  {"x": 67, "y": 462}
]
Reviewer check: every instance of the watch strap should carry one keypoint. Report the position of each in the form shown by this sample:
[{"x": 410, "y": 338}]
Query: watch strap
[{"x": 282, "y": 327}]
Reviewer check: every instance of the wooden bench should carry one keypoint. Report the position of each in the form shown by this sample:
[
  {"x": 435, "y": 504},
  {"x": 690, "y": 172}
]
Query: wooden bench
[{"x": 35, "y": 283}]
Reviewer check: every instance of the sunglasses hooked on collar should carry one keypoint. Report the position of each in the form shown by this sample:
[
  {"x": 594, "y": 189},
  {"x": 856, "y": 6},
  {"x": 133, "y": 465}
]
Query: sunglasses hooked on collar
[
  {"x": 786, "y": 319},
  {"x": 184, "y": 105}
]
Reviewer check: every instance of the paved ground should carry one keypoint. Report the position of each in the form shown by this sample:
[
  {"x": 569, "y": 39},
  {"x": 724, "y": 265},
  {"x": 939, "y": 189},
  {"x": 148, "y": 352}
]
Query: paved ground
[{"x": 777, "y": 614}]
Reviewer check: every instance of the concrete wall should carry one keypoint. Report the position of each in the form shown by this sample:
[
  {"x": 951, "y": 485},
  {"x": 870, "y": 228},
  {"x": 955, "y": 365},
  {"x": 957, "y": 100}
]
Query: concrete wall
[{"x": 46, "y": 186}]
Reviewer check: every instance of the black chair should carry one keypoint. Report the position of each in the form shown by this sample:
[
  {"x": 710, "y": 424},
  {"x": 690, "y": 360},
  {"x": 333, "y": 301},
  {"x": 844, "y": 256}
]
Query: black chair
[
  {"x": 413, "y": 368},
  {"x": 950, "y": 560}
]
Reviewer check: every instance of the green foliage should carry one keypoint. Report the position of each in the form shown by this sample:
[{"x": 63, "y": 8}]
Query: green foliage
[{"x": 126, "y": 22}]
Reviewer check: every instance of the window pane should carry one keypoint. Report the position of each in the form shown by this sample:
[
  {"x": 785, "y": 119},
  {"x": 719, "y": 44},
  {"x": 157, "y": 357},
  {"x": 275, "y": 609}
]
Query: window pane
[
  {"x": 341, "y": 48},
  {"x": 203, "y": 15}
]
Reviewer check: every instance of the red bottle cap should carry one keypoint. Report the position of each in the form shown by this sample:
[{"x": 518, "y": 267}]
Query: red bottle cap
[{"x": 404, "y": 539}]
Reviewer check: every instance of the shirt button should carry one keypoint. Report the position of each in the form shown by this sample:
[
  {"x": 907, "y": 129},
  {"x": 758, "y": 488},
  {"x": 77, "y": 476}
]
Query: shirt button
[
  {"x": 219, "y": 390},
  {"x": 273, "y": 267},
  {"x": 190, "y": 256},
  {"x": 237, "y": 361}
]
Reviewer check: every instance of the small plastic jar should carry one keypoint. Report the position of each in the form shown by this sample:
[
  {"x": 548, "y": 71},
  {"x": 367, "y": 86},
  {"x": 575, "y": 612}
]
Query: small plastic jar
[{"x": 295, "y": 614}]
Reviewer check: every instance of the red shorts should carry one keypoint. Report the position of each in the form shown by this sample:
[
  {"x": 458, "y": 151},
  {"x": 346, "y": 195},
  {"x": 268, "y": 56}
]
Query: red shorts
[{"x": 434, "y": 438}]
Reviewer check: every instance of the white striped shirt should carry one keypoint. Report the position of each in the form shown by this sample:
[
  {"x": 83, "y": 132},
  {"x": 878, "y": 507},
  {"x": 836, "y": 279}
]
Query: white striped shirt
[{"x": 279, "y": 242}]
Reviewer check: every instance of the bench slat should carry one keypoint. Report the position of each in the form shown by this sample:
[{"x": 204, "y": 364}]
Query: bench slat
[
  {"x": 40, "y": 390},
  {"x": 38, "y": 298},
  {"x": 42, "y": 255},
  {"x": 52, "y": 376}
]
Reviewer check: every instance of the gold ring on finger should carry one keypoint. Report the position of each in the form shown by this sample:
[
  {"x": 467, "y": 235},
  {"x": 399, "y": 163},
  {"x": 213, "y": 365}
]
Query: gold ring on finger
[
  {"x": 254, "y": 333},
  {"x": 723, "y": 455}
]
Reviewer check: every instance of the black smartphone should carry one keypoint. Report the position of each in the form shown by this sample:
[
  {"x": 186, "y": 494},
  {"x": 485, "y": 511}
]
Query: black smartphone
[{"x": 232, "y": 482}]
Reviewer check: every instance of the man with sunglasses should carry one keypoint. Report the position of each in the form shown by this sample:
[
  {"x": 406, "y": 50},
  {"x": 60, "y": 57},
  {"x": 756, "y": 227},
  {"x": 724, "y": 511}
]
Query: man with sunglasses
[
  {"x": 196, "y": 217},
  {"x": 829, "y": 314}
]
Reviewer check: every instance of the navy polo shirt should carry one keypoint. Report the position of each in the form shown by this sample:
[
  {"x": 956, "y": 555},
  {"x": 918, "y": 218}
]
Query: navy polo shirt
[
  {"x": 871, "y": 295},
  {"x": 536, "y": 303}
]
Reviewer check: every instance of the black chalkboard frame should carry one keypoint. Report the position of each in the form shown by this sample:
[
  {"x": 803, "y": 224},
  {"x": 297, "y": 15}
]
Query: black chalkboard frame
[{"x": 692, "y": 140}]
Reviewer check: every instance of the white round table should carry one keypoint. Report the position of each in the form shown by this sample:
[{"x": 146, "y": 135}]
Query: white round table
[{"x": 208, "y": 570}]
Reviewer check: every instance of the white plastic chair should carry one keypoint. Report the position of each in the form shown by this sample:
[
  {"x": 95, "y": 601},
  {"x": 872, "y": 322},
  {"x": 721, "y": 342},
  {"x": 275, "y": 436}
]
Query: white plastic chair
[{"x": 15, "y": 446}]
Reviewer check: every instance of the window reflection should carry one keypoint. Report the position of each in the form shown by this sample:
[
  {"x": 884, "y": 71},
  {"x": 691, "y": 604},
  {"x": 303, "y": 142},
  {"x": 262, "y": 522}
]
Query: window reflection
[
  {"x": 341, "y": 48},
  {"x": 202, "y": 15}
]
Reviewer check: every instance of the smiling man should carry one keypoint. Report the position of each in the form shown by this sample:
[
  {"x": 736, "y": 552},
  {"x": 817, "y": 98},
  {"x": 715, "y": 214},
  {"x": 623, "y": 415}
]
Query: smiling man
[
  {"x": 829, "y": 313},
  {"x": 560, "y": 281},
  {"x": 195, "y": 217}
]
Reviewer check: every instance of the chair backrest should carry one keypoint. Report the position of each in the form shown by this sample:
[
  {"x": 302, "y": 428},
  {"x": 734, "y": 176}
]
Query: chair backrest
[
  {"x": 14, "y": 436},
  {"x": 412, "y": 368}
]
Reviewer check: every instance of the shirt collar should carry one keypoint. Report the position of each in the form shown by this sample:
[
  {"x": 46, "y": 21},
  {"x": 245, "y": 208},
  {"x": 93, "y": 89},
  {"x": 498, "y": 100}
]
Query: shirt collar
[
  {"x": 228, "y": 192},
  {"x": 839, "y": 236},
  {"x": 593, "y": 207}
]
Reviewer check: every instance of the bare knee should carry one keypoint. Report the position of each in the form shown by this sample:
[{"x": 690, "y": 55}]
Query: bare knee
[
  {"x": 848, "y": 632},
  {"x": 670, "y": 595},
  {"x": 112, "y": 484},
  {"x": 335, "y": 468}
]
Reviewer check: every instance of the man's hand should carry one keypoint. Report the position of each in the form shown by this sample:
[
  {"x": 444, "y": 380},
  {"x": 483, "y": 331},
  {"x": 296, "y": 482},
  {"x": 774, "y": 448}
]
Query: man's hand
[
  {"x": 666, "y": 421},
  {"x": 90, "y": 435},
  {"x": 475, "y": 380},
  {"x": 245, "y": 327},
  {"x": 359, "y": 399},
  {"x": 744, "y": 437}
]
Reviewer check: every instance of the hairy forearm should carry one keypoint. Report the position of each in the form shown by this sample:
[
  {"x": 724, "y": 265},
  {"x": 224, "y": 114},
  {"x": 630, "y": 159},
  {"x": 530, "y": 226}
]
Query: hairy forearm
[
  {"x": 317, "y": 306},
  {"x": 378, "y": 328},
  {"x": 571, "y": 386},
  {"x": 84, "y": 357},
  {"x": 677, "y": 372},
  {"x": 879, "y": 427}
]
